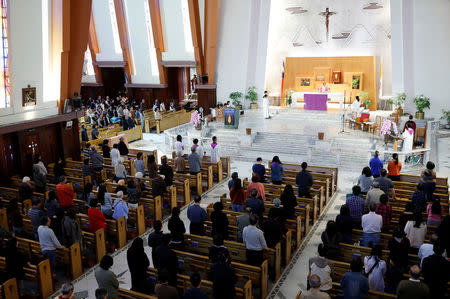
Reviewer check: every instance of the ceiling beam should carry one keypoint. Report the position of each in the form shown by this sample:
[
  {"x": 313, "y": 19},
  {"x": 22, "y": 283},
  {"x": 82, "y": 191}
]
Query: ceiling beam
[
  {"x": 211, "y": 8},
  {"x": 158, "y": 38},
  {"x": 75, "y": 23},
  {"x": 94, "y": 49},
  {"x": 194, "y": 18},
  {"x": 123, "y": 35}
]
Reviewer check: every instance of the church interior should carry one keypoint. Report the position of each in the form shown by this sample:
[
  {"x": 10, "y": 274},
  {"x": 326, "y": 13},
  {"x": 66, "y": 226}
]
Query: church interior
[{"x": 224, "y": 149}]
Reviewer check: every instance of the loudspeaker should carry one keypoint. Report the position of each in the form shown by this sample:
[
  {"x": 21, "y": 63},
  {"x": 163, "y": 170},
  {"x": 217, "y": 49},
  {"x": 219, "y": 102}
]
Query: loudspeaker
[
  {"x": 204, "y": 79},
  {"x": 76, "y": 103}
]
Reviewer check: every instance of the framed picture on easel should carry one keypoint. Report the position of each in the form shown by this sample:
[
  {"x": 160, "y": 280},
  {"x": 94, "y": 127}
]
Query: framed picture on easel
[{"x": 29, "y": 96}]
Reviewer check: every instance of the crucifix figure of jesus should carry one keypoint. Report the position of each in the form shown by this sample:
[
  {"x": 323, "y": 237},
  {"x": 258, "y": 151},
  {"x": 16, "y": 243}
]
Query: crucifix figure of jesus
[{"x": 327, "y": 14}]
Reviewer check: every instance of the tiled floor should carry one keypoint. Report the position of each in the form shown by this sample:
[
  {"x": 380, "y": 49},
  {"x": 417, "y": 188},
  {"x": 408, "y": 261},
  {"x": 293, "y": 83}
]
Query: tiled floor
[{"x": 350, "y": 151}]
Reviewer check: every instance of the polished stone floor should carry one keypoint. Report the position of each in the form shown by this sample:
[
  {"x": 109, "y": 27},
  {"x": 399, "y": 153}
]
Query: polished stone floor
[{"x": 292, "y": 135}]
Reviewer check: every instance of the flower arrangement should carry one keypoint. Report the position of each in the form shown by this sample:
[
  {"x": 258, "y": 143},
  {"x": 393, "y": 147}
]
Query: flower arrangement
[
  {"x": 388, "y": 127},
  {"x": 195, "y": 118},
  {"x": 288, "y": 97}
]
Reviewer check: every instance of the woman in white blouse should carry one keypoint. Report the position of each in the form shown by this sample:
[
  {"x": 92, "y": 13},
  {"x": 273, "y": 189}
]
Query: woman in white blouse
[
  {"x": 415, "y": 231},
  {"x": 375, "y": 268}
]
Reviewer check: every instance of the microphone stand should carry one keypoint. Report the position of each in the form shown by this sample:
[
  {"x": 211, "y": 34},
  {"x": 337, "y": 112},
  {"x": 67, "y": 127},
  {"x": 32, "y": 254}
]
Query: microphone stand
[{"x": 343, "y": 118}]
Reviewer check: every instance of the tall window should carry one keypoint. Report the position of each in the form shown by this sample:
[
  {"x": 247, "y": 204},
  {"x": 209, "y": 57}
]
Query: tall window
[
  {"x": 187, "y": 27},
  {"x": 4, "y": 64},
  {"x": 151, "y": 42},
  {"x": 115, "y": 28},
  {"x": 88, "y": 68}
]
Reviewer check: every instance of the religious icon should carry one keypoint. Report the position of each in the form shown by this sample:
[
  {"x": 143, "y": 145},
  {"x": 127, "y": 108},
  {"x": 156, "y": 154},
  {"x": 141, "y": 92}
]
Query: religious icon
[
  {"x": 28, "y": 96},
  {"x": 327, "y": 14},
  {"x": 229, "y": 117}
]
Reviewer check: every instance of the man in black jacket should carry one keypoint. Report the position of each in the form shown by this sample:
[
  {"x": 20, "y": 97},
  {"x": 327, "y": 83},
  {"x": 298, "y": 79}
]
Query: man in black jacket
[
  {"x": 436, "y": 272},
  {"x": 166, "y": 258},
  {"x": 155, "y": 238},
  {"x": 304, "y": 181}
]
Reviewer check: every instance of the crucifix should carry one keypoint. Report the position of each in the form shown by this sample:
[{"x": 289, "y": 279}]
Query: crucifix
[
  {"x": 33, "y": 146},
  {"x": 327, "y": 14}
]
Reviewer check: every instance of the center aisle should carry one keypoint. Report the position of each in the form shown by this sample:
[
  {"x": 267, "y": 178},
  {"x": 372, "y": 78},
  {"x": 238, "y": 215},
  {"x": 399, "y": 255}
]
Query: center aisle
[{"x": 87, "y": 283}]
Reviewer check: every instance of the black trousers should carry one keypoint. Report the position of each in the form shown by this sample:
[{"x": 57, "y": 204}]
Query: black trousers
[
  {"x": 306, "y": 194},
  {"x": 197, "y": 229},
  {"x": 254, "y": 257}
]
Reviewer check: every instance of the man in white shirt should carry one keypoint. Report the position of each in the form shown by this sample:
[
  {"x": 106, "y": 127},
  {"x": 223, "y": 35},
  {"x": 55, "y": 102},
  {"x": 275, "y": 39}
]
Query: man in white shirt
[
  {"x": 371, "y": 224},
  {"x": 426, "y": 249},
  {"x": 179, "y": 146},
  {"x": 254, "y": 241}
]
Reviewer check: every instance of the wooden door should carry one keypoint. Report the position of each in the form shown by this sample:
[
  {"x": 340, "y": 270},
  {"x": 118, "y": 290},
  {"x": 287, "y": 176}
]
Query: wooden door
[{"x": 30, "y": 147}]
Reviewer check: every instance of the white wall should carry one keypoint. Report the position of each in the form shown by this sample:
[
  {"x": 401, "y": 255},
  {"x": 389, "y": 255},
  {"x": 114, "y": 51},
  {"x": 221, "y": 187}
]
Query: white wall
[
  {"x": 422, "y": 65},
  {"x": 26, "y": 61},
  {"x": 173, "y": 32},
  {"x": 104, "y": 30},
  {"x": 241, "y": 46}
]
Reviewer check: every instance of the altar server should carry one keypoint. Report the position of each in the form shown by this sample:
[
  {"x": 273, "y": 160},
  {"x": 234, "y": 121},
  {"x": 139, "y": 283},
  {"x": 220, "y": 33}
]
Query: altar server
[
  {"x": 408, "y": 136},
  {"x": 215, "y": 155},
  {"x": 356, "y": 106},
  {"x": 266, "y": 105}
]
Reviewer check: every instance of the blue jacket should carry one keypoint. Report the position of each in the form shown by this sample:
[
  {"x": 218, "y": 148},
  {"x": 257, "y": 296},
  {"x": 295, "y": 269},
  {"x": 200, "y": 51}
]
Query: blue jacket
[
  {"x": 277, "y": 172},
  {"x": 84, "y": 135},
  {"x": 376, "y": 165}
]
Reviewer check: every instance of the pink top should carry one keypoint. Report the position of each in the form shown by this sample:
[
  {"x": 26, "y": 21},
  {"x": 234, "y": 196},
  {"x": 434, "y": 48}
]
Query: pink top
[
  {"x": 259, "y": 187},
  {"x": 431, "y": 216}
]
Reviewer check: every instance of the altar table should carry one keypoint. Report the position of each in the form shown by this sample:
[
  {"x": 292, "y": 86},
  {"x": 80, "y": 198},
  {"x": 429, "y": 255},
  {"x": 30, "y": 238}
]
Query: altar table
[{"x": 315, "y": 101}]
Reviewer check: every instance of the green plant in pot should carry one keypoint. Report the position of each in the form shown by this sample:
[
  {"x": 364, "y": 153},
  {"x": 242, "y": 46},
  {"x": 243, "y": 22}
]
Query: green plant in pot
[
  {"x": 364, "y": 96},
  {"x": 252, "y": 96},
  {"x": 236, "y": 99},
  {"x": 446, "y": 115},
  {"x": 355, "y": 82},
  {"x": 398, "y": 102},
  {"x": 422, "y": 102}
]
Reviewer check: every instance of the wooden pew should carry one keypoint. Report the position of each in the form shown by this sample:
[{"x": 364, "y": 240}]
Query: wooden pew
[
  {"x": 115, "y": 228},
  {"x": 183, "y": 283},
  {"x": 200, "y": 245},
  {"x": 337, "y": 291},
  {"x": 9, "y": 289},
  {"x": 124, "y": 293},
  {"x": 95, "y": 241},
  {"x": 258, "y": 275}
]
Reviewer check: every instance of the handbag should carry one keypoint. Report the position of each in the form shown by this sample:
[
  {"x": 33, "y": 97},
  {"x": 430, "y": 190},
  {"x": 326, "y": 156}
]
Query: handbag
[{"x": 371, "y": 269}]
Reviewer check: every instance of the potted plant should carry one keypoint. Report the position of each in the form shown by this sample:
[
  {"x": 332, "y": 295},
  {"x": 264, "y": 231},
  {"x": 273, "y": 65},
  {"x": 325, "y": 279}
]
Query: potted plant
[
  {"x": 196, "y": 120},
  {"x": 252, "y": 96},
  {"x": 446, "y": 115},
  {"x": 288, "y": 97},
  {"x": 235, "y": 99},
  {"x": 422, "y": 102},
  {"x": 364, "y": 95},
  {"x": 398, "y": 102},
  {"x": 355, "y": 82}
]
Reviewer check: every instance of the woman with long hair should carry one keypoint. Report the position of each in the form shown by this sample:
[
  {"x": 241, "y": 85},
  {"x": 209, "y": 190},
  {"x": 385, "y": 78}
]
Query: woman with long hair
[
  {"x": 345, "y": 224},
  {"x": 277, "y": 171},
  {"x": 394, "y": 168},
  {"x": 365, "y": 180},
  {"x": 415, "y": 231},
  {"x": 289, "y": 201},
  {"x": 151, "y": 166},
  {"x": 138, "y": 264},
  {"x": 399, "y": 246},
  {"x": 105, "y": 200},
  {"x": 237, "y": 196},
  {"x": 375, "y": 268},
  {"x": 331, "y": 238},
  {"x": 87, "y": 194},
  {"x": 434, "y": 211},
  {"x": 255, "y": 184},
  {"x": 219, "y": 221},
  {"x": 177, "y": 229}
]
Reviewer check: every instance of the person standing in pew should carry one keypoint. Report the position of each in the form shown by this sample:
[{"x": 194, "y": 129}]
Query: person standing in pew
[
  {"x": 94, "y": 132},
  {"x": 166, "y": 259},
  {"x": 344, "y": 224},
  {"x": 304, "y": 181},
  {"x": 416, "y": 231},
  {"x": 70, "y": 229},
  {"x": 289, "y": 201},
  {"x": 87, "y": 150},
  {"x": 25, "y": 189},
  {"x": 84, "y": 135},
  {"x": 217, "y": 249},
  {"x": 139, "y": 164},
  {"x": 195, "y": 164},
  {"x": 195, "y": 292},
  {"x": 96, "y": 217},
  {"x": 162, "y": 289},
  {"x": 123, "y": 149},
  {"x": 106, "y": 279},
  {"x": 256, "y": 204},
  {"x": 64, "y": 193},
  {"x": 48, "y": 241},
  {"x": 180, "y": 164},
  {"x": 375, "y": 268},
  {"x": 86, "y": 169},
  {"x": 120, "y": 171},
  {"x": 259, "y": 169},
  {"x": 155, "y": 239},
  {"x": 105, "y": 200},
  {"x": 58, "y": 169},
  {"x": 385, "y": 184},
  {"x": 386, "y": 213},
  {"x": 133, "y": 194},
  {"x": 371, "y": 224},
  {"x": 106, "y": 151},
  {"x": 242, "y": 221},
  {"x": 331, "y": 239},
  {"x": 398, "y": 247},
  {"x": 429, "y": 185},
  {"x": 256, "y": 184},
  {"x": 394, "y": 168},
  {"x": 138, "y": 264},
  {"x": 97, "y": 162},
  {"x": 197, "y": 215},
  {"x": 36, "y": 214},
  {"x": 51, "y": 204},
  {"x": 158, "y": 186},
  {"x": 254, "y": 242},
  {"x": 356, "y": 205},
  {"x": 354, "y": 284},
  {"x": 436, "y": 272},
  {"x": 199, "y": 149},
  {"x": 115, "y": 154},
  {"x": 273, "y": 227},
  {"x": 374, "y": 194},
  {"x": 376, "y": 165},
  {"x": 413, "y": 288},
  {"x": 177, "y": 229},
  {"x": 276, "y": 171},
  {"x": 234, "y": 176},
  {"x": 120, "y": 207},
  {"x": 223, "y": 278},
  {"x": 152, "y": 166},
  {"x": 219, "y": 221},
  {"x": 237, "y": 196},
  {"x": 167, "y": 172}
]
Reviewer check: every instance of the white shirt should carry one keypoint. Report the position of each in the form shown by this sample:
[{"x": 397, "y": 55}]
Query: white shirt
[
  {"x": 425, "y": 251},
  {"x": 215, "y": 154},
  {"x": 199, "y": 151},
  {"x": 179, "y": 147},
  {"x": 253, "y": 238},
  {"x": 416, "y": 235},
  {"x": 372, "y": 223},
  {"x": 376, "y": 277},
  {"x": 115, "y": 155}
]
